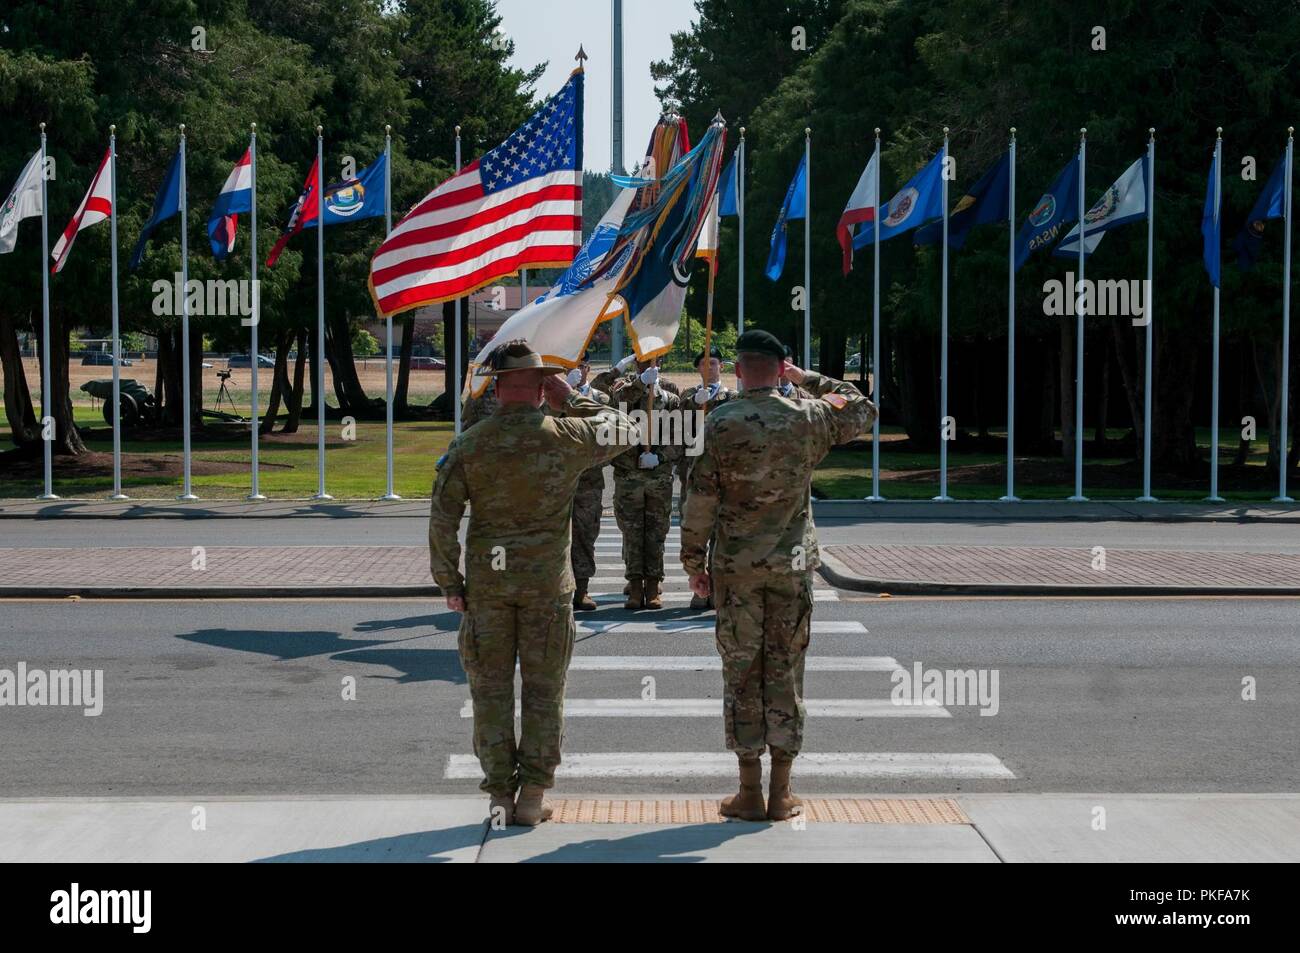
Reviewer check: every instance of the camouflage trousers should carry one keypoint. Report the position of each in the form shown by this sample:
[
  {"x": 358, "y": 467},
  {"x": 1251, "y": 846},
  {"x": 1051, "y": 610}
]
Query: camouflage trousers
[
  {"x": 539, "y": 633},
  {"x": 643, "y": 506},
  {"x": 763, "y": 628},
  {"x": 587, "y": 509}
]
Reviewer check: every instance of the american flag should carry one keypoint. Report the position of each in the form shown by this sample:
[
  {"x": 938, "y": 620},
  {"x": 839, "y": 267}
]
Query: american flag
[{"x": 519, "y": 206}]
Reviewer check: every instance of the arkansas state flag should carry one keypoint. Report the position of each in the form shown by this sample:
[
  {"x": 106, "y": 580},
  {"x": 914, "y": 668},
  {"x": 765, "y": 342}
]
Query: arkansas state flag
[
  {"x": 861, "y": 208},
  {"x": 236, "y": 196},
  {"x": 96, "y": 205},
  {"x": 303, "y": 209}
]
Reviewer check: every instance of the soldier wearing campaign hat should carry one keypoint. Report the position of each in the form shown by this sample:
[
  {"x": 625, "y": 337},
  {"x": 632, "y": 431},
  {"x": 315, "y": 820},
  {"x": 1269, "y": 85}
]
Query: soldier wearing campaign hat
[
  {"x": 518, "y": 470},
  {"x": 750, "y": 495}
]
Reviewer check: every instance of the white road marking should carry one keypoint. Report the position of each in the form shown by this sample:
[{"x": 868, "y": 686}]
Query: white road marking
[
  {"x": 712, "y": 663},
  {"x": 712, "y": 708},
  {"x": 670, "y": 626}
]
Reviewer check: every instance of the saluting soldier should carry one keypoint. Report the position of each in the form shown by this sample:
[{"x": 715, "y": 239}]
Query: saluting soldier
[
  {"x": 588, "y": 504},
  {"x": 518, "y": 470},
  {"x": 751, "y": 487},
  {"x": 702, "y": 397}
]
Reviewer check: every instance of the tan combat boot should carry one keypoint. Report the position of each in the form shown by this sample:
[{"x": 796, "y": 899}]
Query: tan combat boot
[
  {"x": 747, "y": 804},
  {"x": 506, "y": 804},
  {"x": 532, "y": 807},
  {"x": 654, "y": 594},
  {"x": 581, "y": 601},
  {"x": 781, "y": 803},
  {"x": 635, "y": 594}
]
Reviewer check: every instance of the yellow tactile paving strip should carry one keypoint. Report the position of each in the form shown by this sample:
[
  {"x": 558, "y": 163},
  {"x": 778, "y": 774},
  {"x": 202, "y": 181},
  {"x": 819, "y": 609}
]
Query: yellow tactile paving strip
[{"x": 817, "y": 810}]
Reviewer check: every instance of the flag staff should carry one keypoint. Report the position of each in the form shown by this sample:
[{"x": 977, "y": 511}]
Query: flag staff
[
  {"x": 320, "y": 316},
  {"x": 1149, "y": 314},
  {"x": 1011, "y": 324},
  {"x": 254, "y": 492},
  {"x": 875, "y": 329},
  {"x": 388, "y": 320},
  {"x": 1286, "y": 326},
  {"x": 188, "y": 495},
  {"x": 1214, "y": 385},
  {"x": 740, "y": 225},
  {"x": 807, "y": 247},
  {"x": 455, "y": 397},
  {"x": 1078, "y": 357},
  {"x": 713, "y": 267},
  {"x": 943, "y": 496},
  {"x": 117, "y": 337},
  {"x": 47, "y": 421}
]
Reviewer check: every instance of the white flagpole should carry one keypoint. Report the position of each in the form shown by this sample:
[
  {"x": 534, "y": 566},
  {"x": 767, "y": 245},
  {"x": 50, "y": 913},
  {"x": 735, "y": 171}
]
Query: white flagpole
[
  {"x": 254, "y": 492},
  {"x": 320, "y": 316},
  {"x": 1078, "y": 357},
  {"x": 740, "y": 251},
  {"x": 47, "y": 417},
  {"x": 1214, "y": 386},
  {"x": 1011, "y": 323},
  {"x": 185, "y": 323},
  {"x": 1147, "y": 397},
  {"x": 875, "y": 330},
  {"x": 455, "y": 397},
  {"x": 117, "y": 337},
  {"x": 943, "y": 496},
  {"x": 388, "y": 320},
  {"x": 807, "y": 247},
  {"x": 1286, "y": 327}
]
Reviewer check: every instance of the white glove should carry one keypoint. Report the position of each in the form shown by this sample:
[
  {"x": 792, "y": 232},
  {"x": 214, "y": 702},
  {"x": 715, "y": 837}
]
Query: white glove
[
  {"x": 648, "y": 461},
  {"x": 574, "y": 377},
  {"x": 650, "y": 376},
  {"x": 705, "y": 394},
  {"x": 624, "y": 364}
]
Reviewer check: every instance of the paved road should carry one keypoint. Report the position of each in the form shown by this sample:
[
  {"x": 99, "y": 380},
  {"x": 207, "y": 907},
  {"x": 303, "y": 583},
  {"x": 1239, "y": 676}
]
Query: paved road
[{"x": 230, "y": 697}]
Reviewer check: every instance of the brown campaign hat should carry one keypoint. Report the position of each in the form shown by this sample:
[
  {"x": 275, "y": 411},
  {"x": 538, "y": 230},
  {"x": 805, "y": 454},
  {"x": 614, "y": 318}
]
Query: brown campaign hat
[{"x": 518, "y": 356}]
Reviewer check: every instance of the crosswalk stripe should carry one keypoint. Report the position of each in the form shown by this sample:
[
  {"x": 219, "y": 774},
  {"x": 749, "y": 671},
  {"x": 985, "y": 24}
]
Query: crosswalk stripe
[
  {"x": 712, "y": 663},
  {"x": 609, "y": 598},
  {"x": 708, "y": 764},
  {"x": 703, "y": 626},
  {"x": 619, "y": 580},
  {"x": 712, "y": 708}
]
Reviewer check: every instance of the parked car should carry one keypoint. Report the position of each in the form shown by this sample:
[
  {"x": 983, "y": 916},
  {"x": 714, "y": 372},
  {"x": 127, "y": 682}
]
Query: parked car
[
  {"x": 103, "y": 359},
  {"x": 428, "y": 363},
  {"x": 241, "y": 360}
]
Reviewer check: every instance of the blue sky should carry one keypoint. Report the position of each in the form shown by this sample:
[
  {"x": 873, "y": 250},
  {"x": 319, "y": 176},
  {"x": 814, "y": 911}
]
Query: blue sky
[{"x": 550, "y": 31}]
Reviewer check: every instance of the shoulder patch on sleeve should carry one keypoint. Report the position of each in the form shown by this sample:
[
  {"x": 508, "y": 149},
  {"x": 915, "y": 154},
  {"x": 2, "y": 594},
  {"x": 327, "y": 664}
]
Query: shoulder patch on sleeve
[{"x": 838, "y": 401}]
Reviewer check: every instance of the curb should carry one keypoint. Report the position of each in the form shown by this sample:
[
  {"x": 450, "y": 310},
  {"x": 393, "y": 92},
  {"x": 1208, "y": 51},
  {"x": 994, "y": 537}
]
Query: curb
[
  {"x": 835, "y": 572},
  {"x": 217, "y": 592}
]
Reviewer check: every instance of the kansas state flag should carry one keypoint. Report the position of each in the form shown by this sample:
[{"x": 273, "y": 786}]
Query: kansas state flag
[
  {"x": 916, "y": 203},
  {"x": 795, "y": 199},
  {"x": 236, "y": 196},
  {"x": 1058, "y": 207}
]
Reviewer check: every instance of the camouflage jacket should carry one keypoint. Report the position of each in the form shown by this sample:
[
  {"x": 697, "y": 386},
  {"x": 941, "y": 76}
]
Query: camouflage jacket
[
  {"x": 629, "y": 394},
  {"x": 753, "y": 483},
  {"x": 518, "y": 470},
  {"x": 479, "y": 408}
]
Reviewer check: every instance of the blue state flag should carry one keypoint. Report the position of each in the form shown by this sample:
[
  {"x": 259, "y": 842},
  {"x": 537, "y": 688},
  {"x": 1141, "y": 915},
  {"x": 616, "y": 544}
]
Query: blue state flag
[
  {"x": 793, "y": 208},
  {"x": 1058, "y": 207},
  {"x": 727, "y": 204},
  {"x": 165, "y": 205},
  {"x": 1269, "y": 205},
  {"x": 355, "y": 198},
  {"x": 984, "y": 204},
  {"x": 1210, "y": 227},
  {"x": 916, "y": 203}
]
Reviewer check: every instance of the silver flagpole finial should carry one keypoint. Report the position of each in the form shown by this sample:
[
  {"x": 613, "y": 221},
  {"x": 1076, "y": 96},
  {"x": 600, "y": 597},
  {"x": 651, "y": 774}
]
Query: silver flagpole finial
[
  {"x": 717, "y": 118},
  {"x": 945, "y": 130},
  {"x": 1290, "y": 130},
  {"x": 388, "y": 130},
  {"x": 182, "y": 130},
  {"x": 807, "y": 131},
  {"x": 1083, "y": 132},
  {"x": 42, "y": 127},
  {"x": 877, "y": 132},
  {"x": 320, "y": 130},
  {"x": 742, "y": 132},
  {"x": 1218, "y": 132},
  {"x": 1013, "y": 132},
  {"x": 458, "y": 132},
  {"x": 252, "y": 127},
  {"x": 1152, "y": 132},
  {"x": 112, "y": 130}
]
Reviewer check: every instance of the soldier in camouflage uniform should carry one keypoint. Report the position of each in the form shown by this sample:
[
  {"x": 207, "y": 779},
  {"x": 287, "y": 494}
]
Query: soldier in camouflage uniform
[
  {"x": 751, "y": 487},
  {"x": 588, "y": 504},
  {"x": 479, "y": 408},
  {"x": 704, "y": 397},
  {"x": 518, "y": 470},
  {"x": 643, "y": 488}
]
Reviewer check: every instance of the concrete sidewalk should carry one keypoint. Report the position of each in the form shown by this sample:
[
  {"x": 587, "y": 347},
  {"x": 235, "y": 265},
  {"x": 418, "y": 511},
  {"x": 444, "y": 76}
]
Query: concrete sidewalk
[
  {"x": 985, "y": 828},
  {"x": 886, "y": 510},
  {"x": 377, "y": 571}
]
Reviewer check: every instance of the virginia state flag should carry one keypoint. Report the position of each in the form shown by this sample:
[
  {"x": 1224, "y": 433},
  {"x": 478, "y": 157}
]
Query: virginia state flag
[
  {"x": 166, "y": 204},
  {"x": 792, "y": 208},
  {"x": 1125, "y": 201},
  {"x": 985, "y": 203},
  {"x": 1210, "y": 227},
  {"x": 1268, "y": 205},
  {"x": 1058, "y": 207},
  {"x": 916, "y": 203},
  {"x": 236, "y": 196}
]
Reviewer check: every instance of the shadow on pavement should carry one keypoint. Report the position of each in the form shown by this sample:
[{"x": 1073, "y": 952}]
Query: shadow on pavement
[
  {"x": 424, "y": 847},
  {"x": 671, "y": 845}
]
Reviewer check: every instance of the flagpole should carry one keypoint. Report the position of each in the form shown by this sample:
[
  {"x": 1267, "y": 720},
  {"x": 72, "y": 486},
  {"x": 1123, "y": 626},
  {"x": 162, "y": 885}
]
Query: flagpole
[
  {"x": 47, "y": 421},
  {"x": 1214, "y": 386},
  {"x": 875, "y": 330},
  {"x": 320, "y": 316},
  {"x": 716, "y": 227},
  {"x": 1147, "y": 398},
  {"x": 740, "y": 251},
  {"x": 1078, "y": 358},
  {"x": 1011, "y": 324},
  {"x": 388, "y": 320},
  {"x": 943, "y": 496},
  {"x": 185, "y": 324},
  {"x": 254, "y": 492},
  {"x": 455, "y": 398},
  {"x": 807, "y": 247},
  {"x": 1286, "y": 327},
  {"x": 117, "y": 336}
]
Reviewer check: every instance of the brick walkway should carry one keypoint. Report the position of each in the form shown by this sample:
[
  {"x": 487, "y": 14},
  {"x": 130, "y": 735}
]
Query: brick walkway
[{"x": 1063, "y": 566}]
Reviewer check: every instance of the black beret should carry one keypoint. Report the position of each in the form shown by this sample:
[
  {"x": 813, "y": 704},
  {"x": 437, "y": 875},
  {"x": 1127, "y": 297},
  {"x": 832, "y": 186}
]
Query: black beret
[
  {"x": 714, "y": 351},
  {"x": 759, "y": 341}
]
